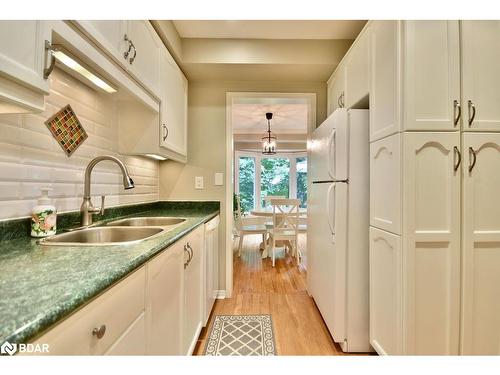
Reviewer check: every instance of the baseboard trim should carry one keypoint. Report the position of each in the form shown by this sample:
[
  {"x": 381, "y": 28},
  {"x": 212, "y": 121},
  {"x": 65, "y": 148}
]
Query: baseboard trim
[{"x": 221, "y": 294}]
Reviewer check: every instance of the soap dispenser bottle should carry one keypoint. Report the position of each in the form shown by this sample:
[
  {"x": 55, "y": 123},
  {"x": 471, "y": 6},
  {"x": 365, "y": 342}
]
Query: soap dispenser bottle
[{"x": 43, "y": 216}]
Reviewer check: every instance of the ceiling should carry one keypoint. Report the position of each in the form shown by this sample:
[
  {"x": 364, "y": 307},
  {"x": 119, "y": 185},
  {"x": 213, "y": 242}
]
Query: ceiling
[
  {"x": 270, "y": 29},
  {"x": 288, "y": 118}
]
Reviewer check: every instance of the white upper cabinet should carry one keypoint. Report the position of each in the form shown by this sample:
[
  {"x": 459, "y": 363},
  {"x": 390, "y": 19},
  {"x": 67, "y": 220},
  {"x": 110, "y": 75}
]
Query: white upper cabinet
[
  {"x": 481, "y": 246},
  {"x": 385, "y": 82},
  {"x": 134, "y": 44},
  {"x": 358, "y": 71},
  {"x": 173, "y": 108},
  {"x": 385, "y": 184},
  {"x": 165, "y": 302},
  {"x": 385, "y": 292},
  {"x": 431, "y": 244},
  {"x": 481, "y": 75},
  {"x": 431, "y": 75},
  {"x": 22, "y": 64},
  {"x": 336, "y": 89},
  {"x": 144, "y": 59},
  {"x": 110, "y": 34}
]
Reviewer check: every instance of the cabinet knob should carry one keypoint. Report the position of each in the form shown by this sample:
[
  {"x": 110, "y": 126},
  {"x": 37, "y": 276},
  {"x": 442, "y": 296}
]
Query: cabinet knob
[{"x": 99, "y": 332}]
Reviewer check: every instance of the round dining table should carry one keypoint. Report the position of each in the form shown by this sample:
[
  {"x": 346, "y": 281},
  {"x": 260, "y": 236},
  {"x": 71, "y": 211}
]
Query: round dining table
[{"x": 268, "y": 212}]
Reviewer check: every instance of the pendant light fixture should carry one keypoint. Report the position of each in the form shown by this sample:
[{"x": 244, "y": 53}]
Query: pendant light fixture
[{"x": 269, "y": 140}]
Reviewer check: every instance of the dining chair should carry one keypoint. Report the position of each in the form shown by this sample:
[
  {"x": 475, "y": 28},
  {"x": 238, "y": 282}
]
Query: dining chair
[
  {"x": 285, "y": 225},
  {"x": 248, "y": 225},
  {"x": 267, "y": 199}
]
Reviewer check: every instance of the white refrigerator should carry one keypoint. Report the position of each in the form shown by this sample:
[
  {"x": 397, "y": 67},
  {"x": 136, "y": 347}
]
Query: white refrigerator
[{"x": 338, "y": 211}]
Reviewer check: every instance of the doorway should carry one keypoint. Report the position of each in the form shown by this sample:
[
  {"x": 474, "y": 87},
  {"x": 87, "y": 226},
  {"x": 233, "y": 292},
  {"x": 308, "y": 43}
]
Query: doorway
[{"x": 245, "y": 125}]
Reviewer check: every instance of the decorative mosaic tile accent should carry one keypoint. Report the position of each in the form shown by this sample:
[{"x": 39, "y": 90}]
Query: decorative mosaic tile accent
[
  {"x": 67, "y": 130},
  {"x": 241, "y": 335}
]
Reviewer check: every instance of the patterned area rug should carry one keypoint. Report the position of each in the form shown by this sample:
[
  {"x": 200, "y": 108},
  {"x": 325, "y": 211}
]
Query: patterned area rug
[{"x": 241, "y": 335}]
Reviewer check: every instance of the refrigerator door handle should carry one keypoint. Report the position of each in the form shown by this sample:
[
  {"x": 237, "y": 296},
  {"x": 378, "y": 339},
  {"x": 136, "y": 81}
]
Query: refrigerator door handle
[
  {"x": 330, "y": 154},
  {"x": 346, "y": 181},
  {"x": 331, "y": 218}
]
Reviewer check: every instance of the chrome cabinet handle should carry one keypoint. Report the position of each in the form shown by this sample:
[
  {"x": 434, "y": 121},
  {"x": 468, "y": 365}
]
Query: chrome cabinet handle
[
  {"x": 127, "y": 53},
  {"x": 472, "y": 108},
  {"x": 50, "y": 68},
  {"x": 473, "y": 163},
  {"x": 457, "y": 152},
  {"x": 338, "y": 101},
  {"x": 189, "y": 257},
  {"x": 165, "y": 134},
  {"x": 456, "y": 105},
  {"x": 131, "y": 60},
  {"x": 343, "y": 97},
  {"x": 99, "y": 332}
]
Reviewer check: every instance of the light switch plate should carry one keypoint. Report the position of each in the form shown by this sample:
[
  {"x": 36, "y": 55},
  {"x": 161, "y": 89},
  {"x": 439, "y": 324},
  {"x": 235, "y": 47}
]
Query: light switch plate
[
  {"x": 219, "y": 179},
  {"x": 198, "y": 182}
]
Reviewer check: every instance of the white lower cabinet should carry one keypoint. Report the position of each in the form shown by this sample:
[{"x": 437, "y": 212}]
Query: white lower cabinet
[
  {"x": 481, "y": 245},
  {"x": 385, "y": 184},
  {"x": 110, "y": 322},
  {"x": 165, "y": 301},
  {"x": 193, "y": 290},
  {"x": 431, "y": 244},
  {"x": 133, "y": 341},
  {"x": 157, "y": 310},
  {"x": 385, "y": 292},
  {"x": 211, "y": 267}
]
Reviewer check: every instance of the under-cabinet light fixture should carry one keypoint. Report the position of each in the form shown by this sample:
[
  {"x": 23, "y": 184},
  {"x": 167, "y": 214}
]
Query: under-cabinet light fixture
[
  {"x": 62, "y": 56},
  {"x": 156, "y": 157}
]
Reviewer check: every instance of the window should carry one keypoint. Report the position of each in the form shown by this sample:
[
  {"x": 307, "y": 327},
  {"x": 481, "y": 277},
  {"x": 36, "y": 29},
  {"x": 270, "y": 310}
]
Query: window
[
  {"x": 257, "y": 176},
  {"x": 274, "y": 177},
  {"x": 301, "y": 164},
  {"x": 246, "y": 185}
]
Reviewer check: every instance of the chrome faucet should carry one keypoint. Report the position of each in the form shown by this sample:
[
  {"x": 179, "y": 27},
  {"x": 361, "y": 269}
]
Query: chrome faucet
[{"x": 87, "y": 209}]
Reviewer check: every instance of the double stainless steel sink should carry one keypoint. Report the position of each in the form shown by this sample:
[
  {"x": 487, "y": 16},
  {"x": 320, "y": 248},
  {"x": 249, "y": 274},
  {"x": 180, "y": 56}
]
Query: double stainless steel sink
[{"x": 118, "y": 232}]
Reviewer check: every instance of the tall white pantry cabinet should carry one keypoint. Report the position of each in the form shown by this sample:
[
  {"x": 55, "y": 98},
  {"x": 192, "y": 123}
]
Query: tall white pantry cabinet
[{"x": 434, "y": 187}]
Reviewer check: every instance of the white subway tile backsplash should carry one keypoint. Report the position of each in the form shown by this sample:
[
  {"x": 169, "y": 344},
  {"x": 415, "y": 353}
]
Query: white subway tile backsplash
[{"x": 30, "y": 158}]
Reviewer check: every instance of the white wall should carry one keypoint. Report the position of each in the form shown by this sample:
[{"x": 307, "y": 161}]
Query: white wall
[{"x": 31, "y": 158}]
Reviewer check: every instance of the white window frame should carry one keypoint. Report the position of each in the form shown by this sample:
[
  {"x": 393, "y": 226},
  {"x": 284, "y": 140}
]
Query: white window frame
[{"x": 292, "y": 183}]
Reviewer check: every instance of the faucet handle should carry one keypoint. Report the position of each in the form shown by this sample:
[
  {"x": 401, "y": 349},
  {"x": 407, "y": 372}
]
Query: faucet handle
[{"x": 101, "y": 212}]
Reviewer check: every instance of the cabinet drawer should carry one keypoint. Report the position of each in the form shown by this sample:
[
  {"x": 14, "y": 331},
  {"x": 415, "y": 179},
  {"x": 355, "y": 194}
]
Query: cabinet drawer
[{"x": 117, "y": 309}]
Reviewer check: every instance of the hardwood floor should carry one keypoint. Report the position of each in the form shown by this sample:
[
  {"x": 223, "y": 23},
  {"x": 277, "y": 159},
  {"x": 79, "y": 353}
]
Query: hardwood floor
[{"x": 281, "y": 291}]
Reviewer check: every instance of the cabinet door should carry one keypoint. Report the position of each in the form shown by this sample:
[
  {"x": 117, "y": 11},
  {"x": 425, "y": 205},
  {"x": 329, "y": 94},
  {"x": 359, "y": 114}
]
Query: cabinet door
[
  {"x": 481, "y": 245},
  {"x": 385, "y": 292},
  {"x": 385, "y": 79},
  {"x": 431, "y": 250},
  {"x": 133, "y": 341},
  {"x": 166, "y": 302},
  {"x": 145, "y": 64},
  {"x": 22, "y": 51},
  {"x": 110, "y": 34},
  {"x": 336, "y": 90},
  {"x": 358, "y": 72},
  {"x": 193, "y": 274},
  {"x": 173, "y": 110},
  {"x": 385, "y": 184},
  {"x": 481, "y": 75},
  {"x": 431, "y": 75}
]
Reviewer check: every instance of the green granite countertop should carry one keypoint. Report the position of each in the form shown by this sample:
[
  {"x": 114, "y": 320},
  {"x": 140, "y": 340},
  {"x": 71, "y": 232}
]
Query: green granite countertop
[{"x": 41, "y": 285}]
